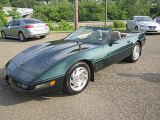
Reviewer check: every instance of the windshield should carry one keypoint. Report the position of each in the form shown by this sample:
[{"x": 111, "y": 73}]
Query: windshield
[
  {"x": 139, "y": 19},
  {"x": 90, "y": 35},
  {"x": 158, "y": 19}
]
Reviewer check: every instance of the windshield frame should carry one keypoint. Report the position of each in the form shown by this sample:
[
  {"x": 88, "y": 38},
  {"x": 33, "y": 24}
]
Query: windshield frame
[
  {"x": 149, "y": 19},
  {"x": 109, "y": 30}
]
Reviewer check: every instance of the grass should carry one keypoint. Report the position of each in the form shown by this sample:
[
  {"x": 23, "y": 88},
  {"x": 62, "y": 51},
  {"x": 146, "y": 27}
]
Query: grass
[{"x": 119, "y": 29}]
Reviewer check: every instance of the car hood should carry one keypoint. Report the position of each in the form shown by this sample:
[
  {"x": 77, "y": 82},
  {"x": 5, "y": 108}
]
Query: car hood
[
  {"x": 39, "y": 58},
  {"x": 150, "y": 23}
]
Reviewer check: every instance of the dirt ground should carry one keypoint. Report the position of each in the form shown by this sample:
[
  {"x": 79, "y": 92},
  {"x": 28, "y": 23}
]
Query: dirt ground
[{"x": 122, "y": 91}]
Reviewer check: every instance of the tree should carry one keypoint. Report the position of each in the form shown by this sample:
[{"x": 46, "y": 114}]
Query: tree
[
  {"x": 14, "y": 13},
  {"x": 158, "y": 7},
  {"x": 2, "y": 17},
  {"x": 5, "y": 3},
  {"x": 23, "y": 3}
]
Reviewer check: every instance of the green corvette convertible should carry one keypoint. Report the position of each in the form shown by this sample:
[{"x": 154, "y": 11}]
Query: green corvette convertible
[{"x": 69, "y": 64}]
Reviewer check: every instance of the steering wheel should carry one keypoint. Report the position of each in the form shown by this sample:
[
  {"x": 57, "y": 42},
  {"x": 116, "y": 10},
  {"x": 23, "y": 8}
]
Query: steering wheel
[{"x": 99, "y": 38}]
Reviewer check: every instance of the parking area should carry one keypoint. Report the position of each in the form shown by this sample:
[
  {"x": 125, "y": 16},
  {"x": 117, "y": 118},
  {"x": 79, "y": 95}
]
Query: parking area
[{"x": 122, "y": 91}]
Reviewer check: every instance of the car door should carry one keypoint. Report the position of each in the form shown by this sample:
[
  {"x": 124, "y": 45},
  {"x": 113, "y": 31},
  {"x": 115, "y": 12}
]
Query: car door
[
  {"x": 8, "y": 28},
  {"x": 133, "y": 23},
  {"x": 129, "y": 23},
  {"x": 117, "y": 51},
  {"x": 15, "y": 28}
]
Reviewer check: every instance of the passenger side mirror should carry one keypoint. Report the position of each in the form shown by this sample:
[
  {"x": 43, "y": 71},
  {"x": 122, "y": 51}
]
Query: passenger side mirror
[{"x": 6, "y": 26}]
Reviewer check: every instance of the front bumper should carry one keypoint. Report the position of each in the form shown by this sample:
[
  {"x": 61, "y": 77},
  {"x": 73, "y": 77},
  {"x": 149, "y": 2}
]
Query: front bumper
[
  {"x": 13, "y": 82},
  {"x": 149, "y": 30}
]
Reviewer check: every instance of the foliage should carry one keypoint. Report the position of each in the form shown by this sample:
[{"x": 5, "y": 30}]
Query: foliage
[
  {"x": 5, "y": 3},
  {"x": 118, "y": 24},
  {"x": 158, "y": 7},
  {"x": 91, "y": 11},
  {"x": 123, "y": 9},
  {"x": 54, "y": 12},
  {"x": 2, "y": 18},
  {"x": 23, "y": 3},
  {"x": 14, "y": 13},
  {"x": 62, "y": 26}
]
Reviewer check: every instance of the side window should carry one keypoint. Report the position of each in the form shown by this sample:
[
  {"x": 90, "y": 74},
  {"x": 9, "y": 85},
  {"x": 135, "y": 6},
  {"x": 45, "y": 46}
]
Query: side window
[
  {"x": 11, "y": 23},
  {"x": 16, "y": 23}
]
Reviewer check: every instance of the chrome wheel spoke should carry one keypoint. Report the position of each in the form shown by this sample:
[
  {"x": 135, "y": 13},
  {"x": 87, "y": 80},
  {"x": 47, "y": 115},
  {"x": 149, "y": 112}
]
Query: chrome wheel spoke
[
  {"x": 79, "y": 78},
  {"x": 136, "y": 52}
]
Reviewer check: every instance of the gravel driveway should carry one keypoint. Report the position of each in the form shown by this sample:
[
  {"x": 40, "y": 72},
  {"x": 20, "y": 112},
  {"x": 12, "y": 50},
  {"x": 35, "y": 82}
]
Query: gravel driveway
[{"x": 121, "y": 91}]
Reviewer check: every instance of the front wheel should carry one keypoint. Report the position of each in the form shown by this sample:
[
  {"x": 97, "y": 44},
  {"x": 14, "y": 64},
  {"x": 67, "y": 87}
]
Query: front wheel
[
  {"x": 77, "y": 78},
  {"x": 3, "y": 35},
  {"x": 135, "y": 53},
  {"x": 127, "y": 27}
]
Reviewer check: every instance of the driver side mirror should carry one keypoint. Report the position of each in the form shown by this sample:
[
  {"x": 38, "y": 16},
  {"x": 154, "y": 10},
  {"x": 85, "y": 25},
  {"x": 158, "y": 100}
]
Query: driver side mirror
[{"x": 6, "y": 26}]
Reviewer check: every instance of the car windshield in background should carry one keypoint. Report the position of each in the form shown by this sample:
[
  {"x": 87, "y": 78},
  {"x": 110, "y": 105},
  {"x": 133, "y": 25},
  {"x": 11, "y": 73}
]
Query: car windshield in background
[
  {"x": 90, "y": 35},
  {"x": 158, "y": 19},
  {"x": 139, "y": 19},
  {"x": 31, "y": 21}
]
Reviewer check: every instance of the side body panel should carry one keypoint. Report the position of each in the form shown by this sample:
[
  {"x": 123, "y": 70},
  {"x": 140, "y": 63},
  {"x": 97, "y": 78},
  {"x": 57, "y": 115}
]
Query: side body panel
[
  {"x": 117, "y": 52},
  {"x": 92, "y": 55}
]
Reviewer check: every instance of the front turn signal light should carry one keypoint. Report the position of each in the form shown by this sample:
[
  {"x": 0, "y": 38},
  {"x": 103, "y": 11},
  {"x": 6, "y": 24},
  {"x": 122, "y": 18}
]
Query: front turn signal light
[{"x": 52, "y": 83}]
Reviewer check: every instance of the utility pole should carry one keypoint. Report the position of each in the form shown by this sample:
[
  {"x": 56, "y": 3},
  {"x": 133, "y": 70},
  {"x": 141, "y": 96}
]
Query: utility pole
[
  {"x": 75, "y": 14},
  {"x": 105, "y": 12}
]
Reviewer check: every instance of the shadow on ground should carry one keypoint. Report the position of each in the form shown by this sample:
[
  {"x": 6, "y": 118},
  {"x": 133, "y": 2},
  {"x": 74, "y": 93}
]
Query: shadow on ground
[
  {"x": 9, "y": 96},
  {"x": 150, "y": 77},
  {"x": 17, "y": 40}
]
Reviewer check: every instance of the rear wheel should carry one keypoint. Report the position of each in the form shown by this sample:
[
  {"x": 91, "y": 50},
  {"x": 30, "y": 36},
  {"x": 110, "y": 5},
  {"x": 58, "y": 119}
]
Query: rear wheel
[
  {"x": 135, "y": 53},
  {"x": 77, "y": 78},
  {"x": 3, "y": 35},
  {"x": 21, "y": 37},
  {"x": 43, "y": 36}
]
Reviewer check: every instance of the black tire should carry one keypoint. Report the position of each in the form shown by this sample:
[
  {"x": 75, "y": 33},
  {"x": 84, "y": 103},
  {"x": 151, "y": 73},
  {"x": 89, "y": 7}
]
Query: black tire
[
  {"x": 67, "y": 84},
  {"x": 21, "y": 37},
  {"x": 127, "y": 27},
  {"x": 43, "y": 36},
  {"x": 136, "y": 28},
  {"x": 3, "y": 35},
  {"x": 132, "y": 57}
]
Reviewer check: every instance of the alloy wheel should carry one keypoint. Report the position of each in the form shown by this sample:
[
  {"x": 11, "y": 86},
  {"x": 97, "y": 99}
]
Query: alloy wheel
[{"x": 79, "y": 78}]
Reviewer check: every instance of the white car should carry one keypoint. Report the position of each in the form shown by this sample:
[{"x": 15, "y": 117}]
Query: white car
[{"x": 144, "y": 24}]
